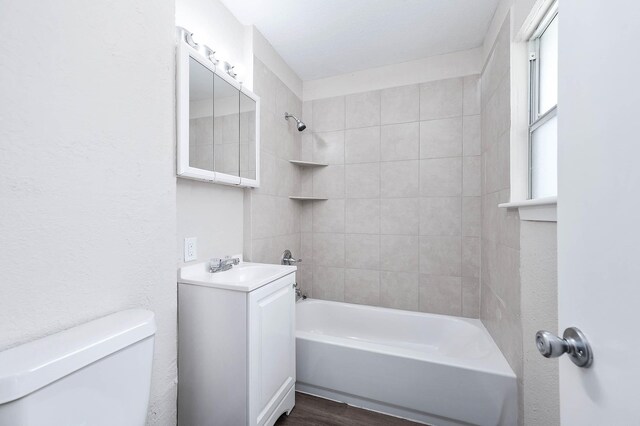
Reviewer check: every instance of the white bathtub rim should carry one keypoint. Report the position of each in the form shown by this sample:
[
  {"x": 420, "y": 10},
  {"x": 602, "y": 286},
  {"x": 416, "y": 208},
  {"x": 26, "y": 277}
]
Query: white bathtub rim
[{"x": 472, "y": 321}]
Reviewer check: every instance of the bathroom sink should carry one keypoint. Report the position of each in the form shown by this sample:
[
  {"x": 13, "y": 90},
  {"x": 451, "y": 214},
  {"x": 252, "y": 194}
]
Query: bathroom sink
[
  {"x": 246, "y": 272},
  {"x": 246, "y": 276}
]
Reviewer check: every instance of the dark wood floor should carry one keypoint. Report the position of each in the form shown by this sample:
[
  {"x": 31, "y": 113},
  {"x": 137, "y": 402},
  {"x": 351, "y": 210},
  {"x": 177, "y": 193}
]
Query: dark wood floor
[{"x": 314, "y": 411}]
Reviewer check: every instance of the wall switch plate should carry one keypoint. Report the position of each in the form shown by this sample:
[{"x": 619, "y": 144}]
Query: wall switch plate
[{"x": 190, "y": 249}]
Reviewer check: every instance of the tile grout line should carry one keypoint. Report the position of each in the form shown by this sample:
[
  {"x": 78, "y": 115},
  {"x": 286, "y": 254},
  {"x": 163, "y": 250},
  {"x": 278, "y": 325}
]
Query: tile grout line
[
  {"x": 344, "y": 188},
  {"x": 380, "y": 199},
  {"x": 461, "y": 196},
  {"x": 419, "y": 192}
]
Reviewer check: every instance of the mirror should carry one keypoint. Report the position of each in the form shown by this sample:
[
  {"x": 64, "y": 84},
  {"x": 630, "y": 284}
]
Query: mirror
[
  {"x": 201, "y": 123},
  {"x": 218, "y": 122},
  {"x": 226, "y": 130}
]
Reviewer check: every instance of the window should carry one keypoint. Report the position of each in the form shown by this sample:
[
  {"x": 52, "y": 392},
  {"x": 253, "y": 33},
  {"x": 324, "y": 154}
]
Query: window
[{"x": 543, "y": 107}]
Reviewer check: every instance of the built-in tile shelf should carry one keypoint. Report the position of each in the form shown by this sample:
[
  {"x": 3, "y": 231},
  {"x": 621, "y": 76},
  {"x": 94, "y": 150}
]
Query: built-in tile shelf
[
  {"x": 302, "y": 198},
  {"x": 307, "y": 163}
]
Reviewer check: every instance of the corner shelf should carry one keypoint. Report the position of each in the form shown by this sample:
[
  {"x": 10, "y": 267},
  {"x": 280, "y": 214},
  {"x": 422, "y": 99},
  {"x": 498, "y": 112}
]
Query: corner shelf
[
  {"x": 305, "y": 164},
  {"x": 292, "y": 197}
]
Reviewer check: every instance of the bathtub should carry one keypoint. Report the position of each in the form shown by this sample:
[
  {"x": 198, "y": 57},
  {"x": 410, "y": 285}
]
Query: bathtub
[{"x": 434, "y": 369}]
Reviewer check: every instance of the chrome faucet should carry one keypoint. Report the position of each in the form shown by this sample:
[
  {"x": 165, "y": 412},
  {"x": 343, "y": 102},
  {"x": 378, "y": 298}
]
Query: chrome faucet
[
  {"x": 299, "y": 294},
  {"x": 219, "y": 265},
  {"x": 288, "y": 259}
]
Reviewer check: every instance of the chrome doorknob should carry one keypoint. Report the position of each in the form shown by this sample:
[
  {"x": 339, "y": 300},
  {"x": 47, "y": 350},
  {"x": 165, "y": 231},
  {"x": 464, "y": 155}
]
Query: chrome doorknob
[
  {"x": 573, "y": 342},
  {"x": 550, "y": 345}
]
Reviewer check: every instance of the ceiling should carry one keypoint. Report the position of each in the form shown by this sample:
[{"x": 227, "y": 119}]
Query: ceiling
[{"x": 321, "y": 38}]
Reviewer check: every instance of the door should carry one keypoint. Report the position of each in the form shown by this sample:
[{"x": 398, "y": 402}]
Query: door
[
  {"x": 272, "y": 350},
  {"x": 599, "y": 208}
]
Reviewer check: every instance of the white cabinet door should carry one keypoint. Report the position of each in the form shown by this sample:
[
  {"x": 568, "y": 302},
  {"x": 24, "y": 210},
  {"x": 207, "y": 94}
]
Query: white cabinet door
[{"x": 272, "y": 361}]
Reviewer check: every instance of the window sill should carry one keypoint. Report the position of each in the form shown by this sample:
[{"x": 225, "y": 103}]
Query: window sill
[{"x": 540, "y": 209}]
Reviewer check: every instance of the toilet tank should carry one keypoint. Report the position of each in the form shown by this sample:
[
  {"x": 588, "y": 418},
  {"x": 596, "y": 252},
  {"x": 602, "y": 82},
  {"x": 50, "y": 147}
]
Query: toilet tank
[{"x": 97, "y": 374}]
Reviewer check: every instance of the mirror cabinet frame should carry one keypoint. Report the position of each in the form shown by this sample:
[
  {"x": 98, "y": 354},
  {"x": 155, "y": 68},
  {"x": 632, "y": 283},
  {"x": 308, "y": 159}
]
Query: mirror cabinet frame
[{"x": 183, "y": 54}]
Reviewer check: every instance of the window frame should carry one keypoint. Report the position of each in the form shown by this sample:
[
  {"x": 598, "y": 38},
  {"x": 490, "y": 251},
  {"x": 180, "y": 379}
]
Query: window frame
[{"x": 534, "y": 117}]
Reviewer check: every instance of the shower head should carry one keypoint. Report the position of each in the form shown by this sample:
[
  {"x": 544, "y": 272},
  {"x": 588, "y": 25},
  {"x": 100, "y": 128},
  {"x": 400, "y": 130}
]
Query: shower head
[{"x": 301, "y": 126}]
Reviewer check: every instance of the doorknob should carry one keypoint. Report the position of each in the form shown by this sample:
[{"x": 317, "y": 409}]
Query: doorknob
[{"x": 573, "y": 342}]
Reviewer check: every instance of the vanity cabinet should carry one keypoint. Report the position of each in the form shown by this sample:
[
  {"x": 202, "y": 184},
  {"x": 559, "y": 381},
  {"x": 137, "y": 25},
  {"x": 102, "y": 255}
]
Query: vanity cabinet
[{"x": 236, "y": 350}]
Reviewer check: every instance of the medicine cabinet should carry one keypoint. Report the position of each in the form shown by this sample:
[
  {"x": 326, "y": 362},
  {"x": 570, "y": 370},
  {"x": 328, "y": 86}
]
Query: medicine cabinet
[{"x": 218, "y": 120}]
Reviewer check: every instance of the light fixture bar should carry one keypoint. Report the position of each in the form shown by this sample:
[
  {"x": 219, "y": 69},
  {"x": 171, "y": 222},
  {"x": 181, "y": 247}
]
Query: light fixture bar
[{"x": 206, "y": 51}]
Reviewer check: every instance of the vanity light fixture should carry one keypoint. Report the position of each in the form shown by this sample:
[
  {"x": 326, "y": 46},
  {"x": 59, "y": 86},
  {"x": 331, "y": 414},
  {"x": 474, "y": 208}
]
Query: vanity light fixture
[
  {"x": 187, "y": 36},
  {"x": 208, "y": 53},
  {"x": 229, "y": 69}
]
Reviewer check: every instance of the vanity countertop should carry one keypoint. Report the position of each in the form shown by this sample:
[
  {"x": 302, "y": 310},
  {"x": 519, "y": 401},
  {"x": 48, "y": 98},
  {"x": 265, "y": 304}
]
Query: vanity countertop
[{"x": 245, "y": 277}]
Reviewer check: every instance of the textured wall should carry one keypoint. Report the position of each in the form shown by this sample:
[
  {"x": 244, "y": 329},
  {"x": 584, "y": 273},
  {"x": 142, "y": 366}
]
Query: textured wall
[
  {"x": 87, "y": 155},
  {"x": 401, "y": 225},
  {"x": 271, "y": 219},
  {"x": 500, "y": 281},
  {"x": 539, "y": 277}
]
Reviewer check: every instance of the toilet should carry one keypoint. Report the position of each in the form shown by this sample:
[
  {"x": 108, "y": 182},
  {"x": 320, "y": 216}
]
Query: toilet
[{"x": 98, "y": 373}]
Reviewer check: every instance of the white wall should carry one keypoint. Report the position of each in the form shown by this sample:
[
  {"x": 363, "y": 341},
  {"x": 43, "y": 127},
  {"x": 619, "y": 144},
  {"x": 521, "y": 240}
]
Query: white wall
[
  {"x": 263, "y": 50},
  {"x": 457, "y": 64},
  {"x": 211, "y": 212},
  {"x": 87, "y": 217}
]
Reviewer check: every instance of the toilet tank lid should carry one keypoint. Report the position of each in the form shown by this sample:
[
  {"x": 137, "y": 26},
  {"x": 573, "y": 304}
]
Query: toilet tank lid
[{"x": 33, "y": 365}]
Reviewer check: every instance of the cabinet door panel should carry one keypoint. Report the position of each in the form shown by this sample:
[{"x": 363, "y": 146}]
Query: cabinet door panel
[
  {"x": 271, "y": 347},
  {"x": 226, "y": 127},
  {"x": 200, "y": 116},
  {"x": 247, "y": 137}
]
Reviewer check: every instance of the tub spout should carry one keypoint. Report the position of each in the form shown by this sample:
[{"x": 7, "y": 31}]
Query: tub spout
[{"x": 299, "y": 294}]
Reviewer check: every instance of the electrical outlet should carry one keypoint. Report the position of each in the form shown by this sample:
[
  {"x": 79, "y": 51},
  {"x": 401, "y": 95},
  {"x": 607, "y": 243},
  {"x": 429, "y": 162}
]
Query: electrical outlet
[{"x": 190, "y": 249}]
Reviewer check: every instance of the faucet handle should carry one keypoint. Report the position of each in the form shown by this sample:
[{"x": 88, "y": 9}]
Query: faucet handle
[
  {"x": 215, "y": 264},
  {"x": 287, "y": 259}
]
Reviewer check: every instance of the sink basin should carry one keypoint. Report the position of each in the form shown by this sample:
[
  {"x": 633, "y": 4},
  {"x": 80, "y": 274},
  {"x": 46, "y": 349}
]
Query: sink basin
[
  {"x": 245, "y": 272},
  {"x": 243, "y": 277}
]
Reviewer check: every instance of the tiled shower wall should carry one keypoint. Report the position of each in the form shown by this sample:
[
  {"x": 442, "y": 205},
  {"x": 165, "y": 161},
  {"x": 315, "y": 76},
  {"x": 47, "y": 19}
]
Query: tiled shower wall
[
  {"x": 401, "y": 226},
  {"x": 271, "y": 219},
  {"x": 500, "y": 288}
]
